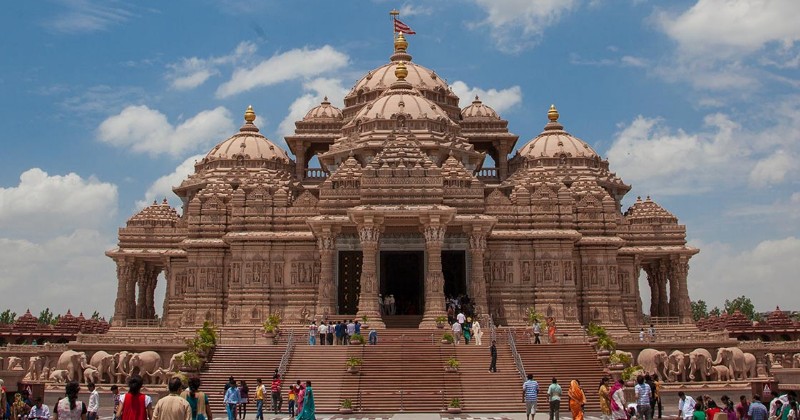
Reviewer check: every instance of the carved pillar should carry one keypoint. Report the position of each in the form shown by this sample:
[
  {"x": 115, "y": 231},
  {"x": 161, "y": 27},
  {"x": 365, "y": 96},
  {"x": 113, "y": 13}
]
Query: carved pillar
[
  {"x": 150, "y": 302},
  {"x": 674, "y": 292},
  {"x": 300, "y": 163},
  {"x": 121, "y": 304},
  {"x": 502, "y": 161},
  {"x": 434, "y": 279},
  {"x": 679, "y": 271},
  {"x": 652, "y": 280},
  {"x": 663, "y": 304},
  {"x": 326, "y": 299},
  {"x": 477, "y": 279},
  {"x": 136, "y": 273},
  {"x": 368, "y": 298}
]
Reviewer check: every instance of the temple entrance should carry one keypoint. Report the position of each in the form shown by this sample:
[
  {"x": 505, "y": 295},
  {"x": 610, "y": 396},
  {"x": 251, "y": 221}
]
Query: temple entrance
[
  {"x": 349, "y": 281},
  {"x": 454, "y": 269},
  {"x": 402, "y": 275}
]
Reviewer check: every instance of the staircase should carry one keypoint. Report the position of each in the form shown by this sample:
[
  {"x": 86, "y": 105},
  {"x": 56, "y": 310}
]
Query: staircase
[
  {"x": 402, "y": 321},
  {"x": 564, "y": 361},
  {"x": 243, "y": 362},
  {"x": 478, "y": 386},
  {"x": 325, "y": 367}
]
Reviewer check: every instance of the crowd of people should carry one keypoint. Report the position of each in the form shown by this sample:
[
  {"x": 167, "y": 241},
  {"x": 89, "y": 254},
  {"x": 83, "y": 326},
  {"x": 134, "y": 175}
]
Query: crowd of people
[
  {"x": 300, "y": 397},
  {"x": 337, "y": 333}
]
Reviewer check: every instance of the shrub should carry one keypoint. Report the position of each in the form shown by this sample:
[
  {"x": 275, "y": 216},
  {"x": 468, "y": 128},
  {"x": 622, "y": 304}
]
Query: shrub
[
  {"x": 441, "y": 319},
  {"x": 532, "y": 315},
  {"x": 455, "y": 403},
  {"x": 619, "y": 358},
  {"x": 353, "y": 362},
  {"x": 358, "y": 338},
  {"x": 272, "y": 323},
  {"x": 629, "y": 372},
  {"x": 347, "y": 403},
  {"x": 453, "y": 362},
  {"x": 448, "y": 337}
]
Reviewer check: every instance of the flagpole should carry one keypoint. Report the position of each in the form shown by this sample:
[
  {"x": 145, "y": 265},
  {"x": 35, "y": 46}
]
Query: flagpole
[{"x": 394, "y": 14}]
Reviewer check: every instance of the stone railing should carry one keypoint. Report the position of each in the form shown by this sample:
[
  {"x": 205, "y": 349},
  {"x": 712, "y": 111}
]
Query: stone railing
[
  {"x": 770, "y": 345},
  {"x": 315, "y": 174},
  {"x": 704, "y": 337},
  {"x": 28, "y": 348},
  {"x": 143, "y": 323},
  {"x": 132, "y": 340}
]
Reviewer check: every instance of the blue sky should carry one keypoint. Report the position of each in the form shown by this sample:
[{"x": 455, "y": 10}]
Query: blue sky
[{"x": 104, "y": 105}]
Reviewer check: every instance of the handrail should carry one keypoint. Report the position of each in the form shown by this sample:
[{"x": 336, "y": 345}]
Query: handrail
[
  {"x": 517, "y": 359},
  {"x": 287, "y": 354}
]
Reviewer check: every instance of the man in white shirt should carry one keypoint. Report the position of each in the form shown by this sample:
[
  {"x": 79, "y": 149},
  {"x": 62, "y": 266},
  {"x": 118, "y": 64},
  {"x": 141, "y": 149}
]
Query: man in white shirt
[
  {"x": 323, "y": 333},
  {"x": 685, "y": 406},
  {"x": 461, "y": 318},
  {"x": 351, "y": 328},
  {"x": 457, "y": 332},
  {"x": 39, "y": 411},
  {"x": 94, "y": 402}
]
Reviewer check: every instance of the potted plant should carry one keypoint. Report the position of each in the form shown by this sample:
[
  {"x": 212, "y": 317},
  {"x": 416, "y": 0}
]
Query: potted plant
[
  {"x": 454, "y": 407},
  {"x": 354, "y": 364},
  {"x": 452, "y": 365},
  {"x": 630, "y": 373},
  {"x": 357, "y": 339},
  {"x": 448, "y": 338},
  {"x": 271, "y": 325},
  {"x": 365, "y": 322},
  {"x": 190, "y": 361},
  {"x": 346, "y": 407},
  {"x": 533, "y": 316},
  {"x": 440, "y": 320},
  {"x": 618, "y": 361}
]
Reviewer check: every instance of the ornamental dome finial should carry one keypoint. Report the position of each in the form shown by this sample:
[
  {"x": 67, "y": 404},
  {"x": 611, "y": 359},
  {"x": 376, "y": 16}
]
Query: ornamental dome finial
[
  {"x": 552, "y": 114},
  {"x": 249, "y": 115},
  {"x": 401, "y": 71},
  {"x": 400, "y": 43}
]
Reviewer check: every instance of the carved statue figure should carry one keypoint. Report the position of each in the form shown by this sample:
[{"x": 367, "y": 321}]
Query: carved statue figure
[
  {"x": 74, "y": 363},
  {"x": 91, "y": 374},
  {"x": 59, "y": 376},
  {"x": 45, "y": 374},
  {"x": 721, "y": 373},
  {"x": 35, "y": 366},
  {"x": 699, "y": 364},
  {"x": 733, "y": 358},
  {"x": 653, "y": 361},
  {"x": 104, "y": 362},
  {"x": 796, "y": 360},
  {"x": 144, "y": 362},
  {"x": 121, "y": 360},
  {"x": 175, "y": 363},
  {"x": 750, "y": 365},
  {"x": 677, "y": 366},
  {"x": 14, "y": 363},
  {"x": 160, "y": 376}
]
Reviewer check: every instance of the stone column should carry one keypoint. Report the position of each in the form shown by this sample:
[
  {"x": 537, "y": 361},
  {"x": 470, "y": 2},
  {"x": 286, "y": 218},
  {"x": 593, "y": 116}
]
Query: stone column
[
  {"x": 136, "y": 272},
  {"x": 663, "y": 304},
  {"x": 121, "y": 303},
  {"x": 369, "y": 236},
  {"x": 152, "y": 282},
  {"x": 674, "y": 292},
  {"x": 434, "y": 279},
  {"x": 141, "y": 300},
  {"x": 502, "y": 161},
  {"x": 652, "y": 280},
  {"x": 679, "y": 271},
  {"x": 326, "y": 297},
  {"x": 477, "y": 279},
  {"x": 300, "y": 163}
]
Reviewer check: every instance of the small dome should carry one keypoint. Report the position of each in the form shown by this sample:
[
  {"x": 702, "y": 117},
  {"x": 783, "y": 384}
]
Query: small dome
[
  {"x": 248, "y": 143},
  {"x": 155, "y": 215},
  {"x": 401, "y": 101},
  {"x": 649, "y": 212},
  {"x": 324, "y": 112},
  {"x": 477, "y": 110},
  {"x": 555, "y": 142}
]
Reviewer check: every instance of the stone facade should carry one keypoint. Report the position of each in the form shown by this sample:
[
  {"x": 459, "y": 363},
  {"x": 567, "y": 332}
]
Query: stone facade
[{"x": 401, "y": 170}]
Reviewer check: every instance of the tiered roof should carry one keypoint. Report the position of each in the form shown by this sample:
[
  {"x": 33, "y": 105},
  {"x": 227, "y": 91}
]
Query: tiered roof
[
  {"x": 648, "y": 212},
  {"x": 155, "y": 215}
]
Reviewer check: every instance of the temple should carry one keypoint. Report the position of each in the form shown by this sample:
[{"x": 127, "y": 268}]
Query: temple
[{"x": 402, "y": 192}]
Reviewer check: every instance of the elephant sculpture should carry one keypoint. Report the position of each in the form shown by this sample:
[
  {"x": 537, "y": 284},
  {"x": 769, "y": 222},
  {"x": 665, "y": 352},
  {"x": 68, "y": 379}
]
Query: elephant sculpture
[
  {"x": 104, "y": 363},
  {"x": 653, "y": 361},
  {"x": 176, "y": 362},
  {"x": 91, "y": 374},
  {"x": 733, "y": 358},
  {"x": 160, "y": 375},
  {"x": 721, "y": 373},
  {"x": 750, "y": 365},
  {"x": 121, "y": 360},
  {"x": 676, "y": 366},
  {"x": 699, "y": 364},
  {"x": 14, "y": 363},
  {"x": 74, "y": 363},
  {"x": 59, "y": 376},
  {"x": 35, "y": 366},
  {"x": 144, "y": 362}
]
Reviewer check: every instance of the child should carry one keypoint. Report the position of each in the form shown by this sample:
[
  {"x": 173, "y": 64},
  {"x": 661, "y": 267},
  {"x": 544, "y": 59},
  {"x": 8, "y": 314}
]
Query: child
[{"x": 292, "y": 400}]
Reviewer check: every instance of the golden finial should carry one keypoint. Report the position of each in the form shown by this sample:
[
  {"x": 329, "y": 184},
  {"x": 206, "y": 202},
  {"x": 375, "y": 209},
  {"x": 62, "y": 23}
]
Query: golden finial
[
  {"x": 249, "y": 115},
  {"x": 400, "y": 43},
  {"x": 552, "y": 114},
  {"x": 401, "y": 71}
]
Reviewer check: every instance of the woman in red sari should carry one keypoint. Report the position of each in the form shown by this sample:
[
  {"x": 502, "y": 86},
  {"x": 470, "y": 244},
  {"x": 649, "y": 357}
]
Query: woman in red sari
[{"x": 551, "y": 329}]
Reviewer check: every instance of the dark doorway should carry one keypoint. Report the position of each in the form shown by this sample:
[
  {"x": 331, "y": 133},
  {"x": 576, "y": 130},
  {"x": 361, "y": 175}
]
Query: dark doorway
[
  {"x": 402, "y": 274},
  {"x": 349, "y": 281},
  {"x": 454, "y": 269}
]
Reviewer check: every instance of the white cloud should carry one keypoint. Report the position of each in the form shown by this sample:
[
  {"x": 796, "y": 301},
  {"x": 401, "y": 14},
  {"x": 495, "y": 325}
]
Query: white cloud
[
  {"x": 315, "y": 91},
  {"x": 294, "y": 64},
  {"x": 162, "y": 187},
  {"x": 42, "y": 204},
  {"x": 146, "y": 130},
  {"x": 189, "y": 73},
  {"x": 415, "y": 10},
  {"x": 82, "y": 16},
  {"x": 720, "y": 272},
  {"x": 64, "y": 272},
  {"x": 519, "y": 24},
  {"x": 772, "y": 169},
  {"x": 781, "y": 210},
  {"x": 500, "y": 100}
]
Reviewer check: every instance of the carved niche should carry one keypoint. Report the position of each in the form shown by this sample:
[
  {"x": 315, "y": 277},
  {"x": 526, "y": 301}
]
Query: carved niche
[{"x": 526, "y": 271}]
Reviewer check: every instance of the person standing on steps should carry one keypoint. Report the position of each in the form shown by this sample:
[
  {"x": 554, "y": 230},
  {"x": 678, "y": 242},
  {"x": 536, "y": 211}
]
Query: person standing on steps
[
  {"x": 323, "y": 333},
  {"x": 312, "y": 333},
  {"x": 530, "y": 393},
  {"x": 457, "y": 332},
  {"x": 554, "y": 396},
  {"x": 275, "y": 388},
  {"x": 493, "y": 353},
  {"x": 537, "y": 331},
  {"x": 373, "y": 336}
]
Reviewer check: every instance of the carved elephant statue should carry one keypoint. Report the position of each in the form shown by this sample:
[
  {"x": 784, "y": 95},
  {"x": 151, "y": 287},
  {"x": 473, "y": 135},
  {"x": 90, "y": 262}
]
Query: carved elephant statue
[
  {"x": 35, "y": 366},
  {"x": 14, "y": 363},
  {"x": 750, "y": 365},
  {"x": 160, "y": 375},
  {"x": 677, "y": 362},
  {"x": 175, "y": 363},
  {"x": 144, "y": 362},
  {"x": 699, "y": 364},
  {"x": 721, "y": 373},
  {"x": 104, "y": 362},
  {"x": 73, "y": 362},
  {"x": 91, "y": 374},
  {"x": 59, "y": 376},
  {"x": 653, "y": 361},
  {"x": 121, "y": 361},
  {"x": 733, "y": 358}
]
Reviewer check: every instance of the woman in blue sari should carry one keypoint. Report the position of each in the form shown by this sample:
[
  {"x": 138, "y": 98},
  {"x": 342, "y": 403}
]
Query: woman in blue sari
[{"x": 308, "y": 404}]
